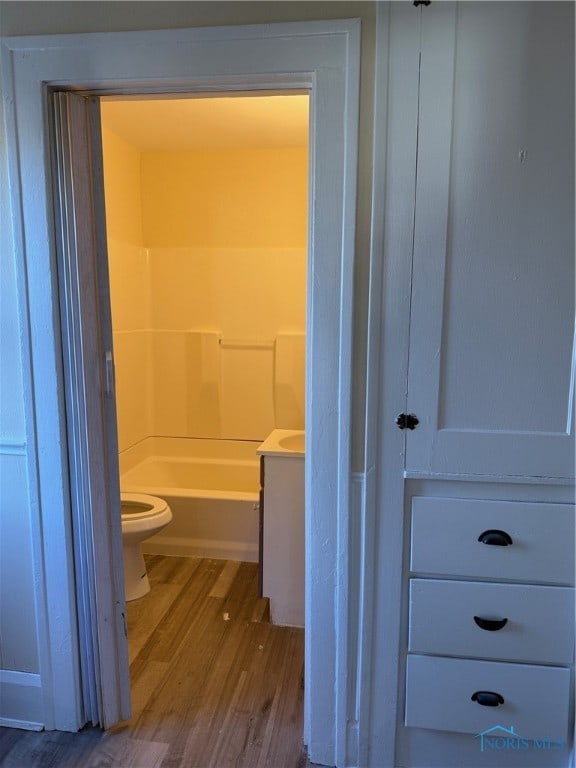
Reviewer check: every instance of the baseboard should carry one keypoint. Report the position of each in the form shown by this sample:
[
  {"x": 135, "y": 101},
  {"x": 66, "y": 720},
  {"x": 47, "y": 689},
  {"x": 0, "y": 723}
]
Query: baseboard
[
  {"x": 187, "y": 547},
  {"x": 21, "y": 703},
  {"x": 24, "y": 725}
]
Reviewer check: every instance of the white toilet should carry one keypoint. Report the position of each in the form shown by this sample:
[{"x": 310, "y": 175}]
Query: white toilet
[{"x": 142, "y": 517}]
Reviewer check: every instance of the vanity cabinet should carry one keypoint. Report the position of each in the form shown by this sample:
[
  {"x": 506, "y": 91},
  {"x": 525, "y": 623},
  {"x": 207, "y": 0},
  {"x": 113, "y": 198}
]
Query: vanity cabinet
[{"x": 282, "y": 525}]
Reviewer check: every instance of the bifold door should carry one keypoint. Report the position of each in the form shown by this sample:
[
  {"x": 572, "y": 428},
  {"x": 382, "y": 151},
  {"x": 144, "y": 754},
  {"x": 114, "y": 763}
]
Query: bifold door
[{"x": 90, "y": 408}]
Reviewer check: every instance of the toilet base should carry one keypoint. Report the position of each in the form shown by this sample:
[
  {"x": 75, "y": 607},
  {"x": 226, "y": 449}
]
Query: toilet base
[{"x": 136, "y": 582}]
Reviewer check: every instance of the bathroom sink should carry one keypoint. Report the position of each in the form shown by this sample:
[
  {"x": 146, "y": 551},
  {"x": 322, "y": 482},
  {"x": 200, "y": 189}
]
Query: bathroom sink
[
  {"x": 283, "y": 442},
  {"x": 292, "y": 442}
]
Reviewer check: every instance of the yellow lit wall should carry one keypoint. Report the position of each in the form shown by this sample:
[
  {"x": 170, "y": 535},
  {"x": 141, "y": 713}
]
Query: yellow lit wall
[
  {"x": 226, "y": 236},
  {"x": 250, "y": 293},
  {"x": 129, "y": 287},
  {"x": 122, "y": 187},
  {"x": 226, "y": 198},
  {"x": 202, "y": 245}
]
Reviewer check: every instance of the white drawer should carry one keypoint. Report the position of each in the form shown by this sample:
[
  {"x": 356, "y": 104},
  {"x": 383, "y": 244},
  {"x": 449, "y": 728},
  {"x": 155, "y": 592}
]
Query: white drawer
[
  {"x": 539, "y": 626},
  {"x": 439, "y": 691},
  {"x": 445, "y": 535}
]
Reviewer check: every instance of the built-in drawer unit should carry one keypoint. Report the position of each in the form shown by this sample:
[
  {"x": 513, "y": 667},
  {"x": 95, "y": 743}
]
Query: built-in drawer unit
[
  {"x": 491, "y": 616},
  {"x": 472, "y": 696},
  {"x": 507, "y": 540},
  {"x": 519, "y": 622}
]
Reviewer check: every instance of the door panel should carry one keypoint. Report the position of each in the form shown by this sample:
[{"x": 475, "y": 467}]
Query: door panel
[
  {"x": 90, "y": 409},
  {"x": 492, "y": 312}
]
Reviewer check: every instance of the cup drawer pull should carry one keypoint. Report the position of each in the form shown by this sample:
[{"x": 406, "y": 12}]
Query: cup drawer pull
[
  {"x": 487, "y": 698},
  {"x": 490, "y": 625},
  {"x": 495, "y": 538}
]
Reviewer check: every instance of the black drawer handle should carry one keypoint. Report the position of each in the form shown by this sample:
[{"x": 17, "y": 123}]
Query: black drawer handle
[
  {"x": 487, "y": 698},
  {"x": 495, "y": 538},
  {"x": 490, "y": 625}
]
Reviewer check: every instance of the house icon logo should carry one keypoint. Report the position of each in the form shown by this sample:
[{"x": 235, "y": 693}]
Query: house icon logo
[{"x": 499, "y": 738}]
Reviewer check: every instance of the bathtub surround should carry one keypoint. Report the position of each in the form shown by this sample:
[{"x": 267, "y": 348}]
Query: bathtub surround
[
  {"x": 129, "y": 278},
  {"x": 235, "y": 370},
  {"x": 199, "y": 384},
  {"x": 208, "y": 288},
  {"x": 133, "y": 374},
  {"x": 289, "y": 378}
]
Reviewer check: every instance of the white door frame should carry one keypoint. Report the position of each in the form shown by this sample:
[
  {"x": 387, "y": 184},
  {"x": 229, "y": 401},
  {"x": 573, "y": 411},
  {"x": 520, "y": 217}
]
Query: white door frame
[
  {"x": 393, "y": 200},
  {"x": 323, "y": 57}
]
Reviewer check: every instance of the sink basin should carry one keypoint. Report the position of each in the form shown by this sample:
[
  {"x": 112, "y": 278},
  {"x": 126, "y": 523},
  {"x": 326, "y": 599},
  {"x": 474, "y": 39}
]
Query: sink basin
[
  {"x": 283, "y": 442},
  {"x": 292, "y": 443}
]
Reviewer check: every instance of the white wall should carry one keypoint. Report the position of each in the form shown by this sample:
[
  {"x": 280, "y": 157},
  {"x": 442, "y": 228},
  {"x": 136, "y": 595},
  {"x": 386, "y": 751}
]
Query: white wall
[
  {"x": 17, "y": 650},
  {"x": 19, "y": 663}
]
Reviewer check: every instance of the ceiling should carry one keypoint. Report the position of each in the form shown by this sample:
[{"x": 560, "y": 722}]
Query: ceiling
[{"x": 208, "y": 122}]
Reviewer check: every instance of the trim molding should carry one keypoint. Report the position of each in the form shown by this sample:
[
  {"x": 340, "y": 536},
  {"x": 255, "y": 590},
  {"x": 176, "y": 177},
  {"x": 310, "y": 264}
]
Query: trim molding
[
  {"x": 351, "y": 627},
  {"x": 410, "y": 474},
  {"x": 394, "y": 162},
  {"x": 13, "y": 448},
  {"x": 21, "y": 700}
]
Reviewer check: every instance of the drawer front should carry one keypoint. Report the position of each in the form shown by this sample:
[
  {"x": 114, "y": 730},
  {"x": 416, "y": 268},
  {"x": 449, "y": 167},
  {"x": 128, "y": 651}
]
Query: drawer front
[
  {"x": 439, "y": 691},
  {"x": 539, "y": 626},
  {"x": 445, "y": 535}
]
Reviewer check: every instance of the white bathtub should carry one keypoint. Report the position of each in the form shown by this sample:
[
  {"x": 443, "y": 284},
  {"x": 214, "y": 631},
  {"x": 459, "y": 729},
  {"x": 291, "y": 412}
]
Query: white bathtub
[{"x": 212, "y": 488}]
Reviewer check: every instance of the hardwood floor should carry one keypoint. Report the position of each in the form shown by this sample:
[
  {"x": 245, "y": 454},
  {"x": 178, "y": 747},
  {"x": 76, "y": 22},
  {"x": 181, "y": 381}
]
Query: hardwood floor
[{"x": 213, "y": 683}]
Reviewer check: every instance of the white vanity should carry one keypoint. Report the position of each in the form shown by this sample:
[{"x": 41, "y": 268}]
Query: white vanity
[{"x": 282, "y": 525}]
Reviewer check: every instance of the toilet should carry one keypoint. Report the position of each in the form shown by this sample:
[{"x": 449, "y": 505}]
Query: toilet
[{"x": 142, "y": 517}]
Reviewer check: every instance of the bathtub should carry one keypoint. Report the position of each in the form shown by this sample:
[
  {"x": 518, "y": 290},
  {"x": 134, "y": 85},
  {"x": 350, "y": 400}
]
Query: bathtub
[{"x": 212, "y": 487}]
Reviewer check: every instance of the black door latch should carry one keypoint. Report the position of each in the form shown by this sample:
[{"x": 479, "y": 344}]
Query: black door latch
[{"x": 407, "y": 421}]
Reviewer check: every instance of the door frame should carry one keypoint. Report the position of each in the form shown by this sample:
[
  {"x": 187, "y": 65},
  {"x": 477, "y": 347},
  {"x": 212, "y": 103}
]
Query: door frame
[
  {"x": 397, "y": 77},
  {"x": 324, "y": 58}
]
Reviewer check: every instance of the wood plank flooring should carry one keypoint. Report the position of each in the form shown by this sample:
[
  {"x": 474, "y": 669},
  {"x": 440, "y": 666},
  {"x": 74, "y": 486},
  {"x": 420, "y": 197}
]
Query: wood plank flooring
[{"x": 213, "y": 683}]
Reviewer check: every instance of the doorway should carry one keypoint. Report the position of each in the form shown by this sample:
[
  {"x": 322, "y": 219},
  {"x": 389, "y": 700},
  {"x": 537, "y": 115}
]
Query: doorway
[
  {"x": 236, "y": 280},
  {"x": 323, "y": 57},
  {"x": 87, "y": 339},
  {"x": 206, "y": 219}
]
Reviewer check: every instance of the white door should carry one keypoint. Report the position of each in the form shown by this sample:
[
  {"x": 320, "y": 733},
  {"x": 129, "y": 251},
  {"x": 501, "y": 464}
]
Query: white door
[
  {"x": 491, "y": 367},
  {"x": 91, "y": 410}
]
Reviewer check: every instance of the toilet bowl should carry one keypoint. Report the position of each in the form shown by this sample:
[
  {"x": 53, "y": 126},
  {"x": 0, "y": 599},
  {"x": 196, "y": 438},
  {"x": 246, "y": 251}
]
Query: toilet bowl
[{"x": 142, "y": 517}]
